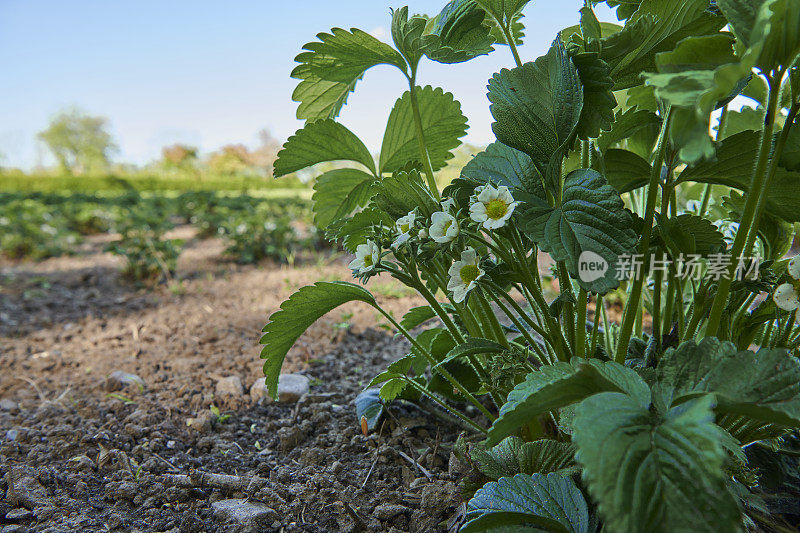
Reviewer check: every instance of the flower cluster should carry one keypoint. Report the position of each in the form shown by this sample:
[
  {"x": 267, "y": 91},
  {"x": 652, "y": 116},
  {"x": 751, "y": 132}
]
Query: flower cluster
[
  {"x": 490, "y": 207},
  {"x": 787, "y": 295}
]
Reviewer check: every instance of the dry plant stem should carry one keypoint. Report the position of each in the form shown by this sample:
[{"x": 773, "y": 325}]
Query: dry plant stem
[
  {"x": 756, "y": 190},
  {"x": 632, "y": 307}
]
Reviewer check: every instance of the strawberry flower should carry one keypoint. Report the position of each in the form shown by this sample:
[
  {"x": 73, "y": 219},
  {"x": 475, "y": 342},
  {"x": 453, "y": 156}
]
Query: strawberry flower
[
  {"x": 464, "y": 275},
  {"x": 492, "y": 207}
]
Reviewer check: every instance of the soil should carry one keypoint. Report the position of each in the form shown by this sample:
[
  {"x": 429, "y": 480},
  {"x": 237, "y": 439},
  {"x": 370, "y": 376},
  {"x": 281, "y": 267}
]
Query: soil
[{"x": 82, "y": 452}]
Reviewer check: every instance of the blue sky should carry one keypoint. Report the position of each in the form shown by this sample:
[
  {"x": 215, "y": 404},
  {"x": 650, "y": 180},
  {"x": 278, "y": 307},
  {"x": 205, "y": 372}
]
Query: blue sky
[{"x": 209, "y": 73}]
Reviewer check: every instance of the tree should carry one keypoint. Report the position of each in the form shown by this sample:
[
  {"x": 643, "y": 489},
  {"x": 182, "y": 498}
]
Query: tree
[
  {"x": 80, "y": 142},
  {"x": 231, "y": 159},
  {"x": 179, "y": 156},
  {"x": 265, "y": 155}
]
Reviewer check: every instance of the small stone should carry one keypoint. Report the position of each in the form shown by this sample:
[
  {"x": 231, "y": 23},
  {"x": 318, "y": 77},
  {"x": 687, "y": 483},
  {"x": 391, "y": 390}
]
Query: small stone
[
  {"x": 291, "y": 387},
  {"x": 14, "y": 528},
  {"x": 12, "y": 434},
  {"x": 119, "y": 380},
  {"x": 385, "y": 511},
  {"x": 24, "y": 489},
  {"x": 8, "y": 405},
  {"x": 249, "y": 515},
  {"x": 44, "y": 513},
  {"x": 82, "y": 463},
  {"x": 16, "y": 515},
  {"x": 230, "y": 386},
  {"x": 202, "y": 422}
]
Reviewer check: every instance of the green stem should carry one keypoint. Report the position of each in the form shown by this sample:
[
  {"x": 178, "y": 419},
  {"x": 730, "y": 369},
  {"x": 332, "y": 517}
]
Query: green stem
[
  {"x": 632, "y": 305},
  {"x": 522, "y": 329},
  {"x": 580, "y": 331},
  {"x": 423, "y": 149},
  {"x": 776, "y": 157},
  {"x": 433, "y": 362},
  {"x": 598, "y": 305},
  {"x": 511, "y": 43},
  {"x": 756, "y": 190},
  {"x": 440, "y": 403}
]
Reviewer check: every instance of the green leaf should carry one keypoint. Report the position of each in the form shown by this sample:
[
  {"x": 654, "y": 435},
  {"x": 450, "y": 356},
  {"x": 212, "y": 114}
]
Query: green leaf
[
  {"x": 790, "y": 160},
  {"x": 416, "y": 316},
  {"x": 590, "y": 218},
  {"x": 370, "y": 407},
  {"x": 410, "y": 36},
  {"x": 559, "y": 385},
  {"x": 461, "y": 32},
  {"x": 403, "y": 192},
  {"x": 502, "y": 165},
  {"x": 625, "y": 170},
  {"x": 472, "y": 346},
  {"x": 551, "y": 502},
  {"x": 733, "y": 167},
  {"x": 654, "y": 472},
  {"x": 505, "y": 12},
  {"x": 443, "y": 124},
  {"x": 690, "y": 234},
  {"x": 318, "y": 142},
  {"x": 536, "y": 108},
  {"x": 657, "y": 26},
  {"x": 770, "y": 29},
  {"x": 337, "y": 193},
  {"x": 628, "y": 123},
  {"x": 354, "y": 231},
  {"x": 745, "y": 119},
  {"x": 515, "y": 456},
  {"x": 763, "y": 385},
  {"x": 694, "y": 78},
  {"x": 329, "y": 69},
  {"x": 598, "y": 99},
  {"x": 296, "y": 315}
]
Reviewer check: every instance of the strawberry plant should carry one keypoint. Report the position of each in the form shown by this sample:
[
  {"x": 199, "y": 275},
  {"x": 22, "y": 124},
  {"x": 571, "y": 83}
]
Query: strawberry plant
[{"x": 620, "y": 154}]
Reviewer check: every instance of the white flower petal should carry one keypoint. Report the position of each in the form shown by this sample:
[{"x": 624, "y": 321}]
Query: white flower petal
[{"x": 793, "y": 268}]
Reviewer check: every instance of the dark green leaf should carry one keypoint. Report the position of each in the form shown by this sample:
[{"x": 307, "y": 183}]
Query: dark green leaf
[
  {"x": 318, "y": 142},
  {"x": 403, "y": 192},
  {"x": 654, "y": 472},
  {"x": 591, "y": 218},
  {"x": 690, "y": 234},
  {"x": 416, "y": 316},
  {"x": 462, "y": 33},
  {"x": 626, "y": 124},
  {"x": 559, "y": 385},
  {"x": 764, "y": 386},
  {"x": 473, "y": 346},
  {"x": 515, "y": 456},
  {"x": 536, "y": 108},
  {"x": 296, "y": 315},
  {"x": 503, "y": 165},
  {"x": 354, "y": 231},
  {"x": 551, "y": 502},
  {"x": 625, "y": 170}
]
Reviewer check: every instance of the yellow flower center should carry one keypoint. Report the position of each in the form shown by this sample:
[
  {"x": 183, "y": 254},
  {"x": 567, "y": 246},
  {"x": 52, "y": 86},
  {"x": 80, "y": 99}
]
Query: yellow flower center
[
  {"x": 446, "y": 227},
  {"x": 405, "y": 227},
  {"x": 368, "y": 260},
  {"x": 469, "y": 273},
  {"x": 496, "y": 209}
]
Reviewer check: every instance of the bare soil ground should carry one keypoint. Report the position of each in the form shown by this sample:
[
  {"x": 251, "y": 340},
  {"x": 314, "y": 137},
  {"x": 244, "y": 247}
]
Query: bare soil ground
[{"x": 77, "y": 454}]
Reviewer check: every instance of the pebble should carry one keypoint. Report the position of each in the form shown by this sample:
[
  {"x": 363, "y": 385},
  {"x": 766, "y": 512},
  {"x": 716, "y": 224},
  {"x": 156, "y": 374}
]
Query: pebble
[
  {"x": 291, "y": 387},
  {"x": 201, "y": 423},
  {"x": 24, "y": 489},
  {"x": 119, "y": 380},
  {"x": 9, "y": 405},
  {"x": 82, "y": 463},
  {"x": 385, "y": 511},
  {"x": 19, "y": 514},
  {"x": 229, "y": 386},
  {"x": 250, "y": 515}
]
